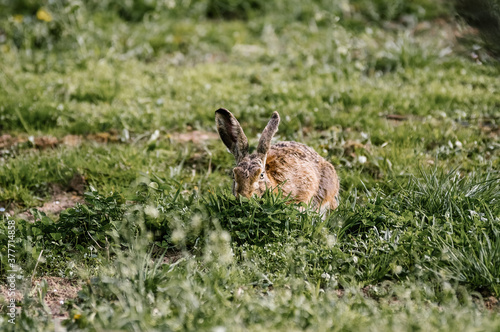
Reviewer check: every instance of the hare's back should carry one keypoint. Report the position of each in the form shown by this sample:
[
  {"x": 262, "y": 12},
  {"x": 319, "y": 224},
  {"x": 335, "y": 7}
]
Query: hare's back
[
  {"x": 294, "y": 152},
  {"x": 295, "y": 163},
  {"x": 305, "y": 174}
]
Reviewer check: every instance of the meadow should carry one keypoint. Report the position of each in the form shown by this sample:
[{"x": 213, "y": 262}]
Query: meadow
[{"x": 120, "y": 188}]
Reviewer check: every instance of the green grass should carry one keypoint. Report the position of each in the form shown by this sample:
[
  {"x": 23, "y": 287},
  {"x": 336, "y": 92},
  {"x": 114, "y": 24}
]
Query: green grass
[{"x": 160, "y": 243}]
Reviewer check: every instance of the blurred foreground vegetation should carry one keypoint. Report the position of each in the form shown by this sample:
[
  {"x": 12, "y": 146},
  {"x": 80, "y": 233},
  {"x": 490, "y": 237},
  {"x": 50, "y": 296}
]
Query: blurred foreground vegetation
[{"x": 111, "y": 104}]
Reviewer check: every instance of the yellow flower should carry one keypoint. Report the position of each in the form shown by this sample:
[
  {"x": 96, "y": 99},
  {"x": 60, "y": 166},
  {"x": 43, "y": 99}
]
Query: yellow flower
[
  {"x": 77, "y": 316},
  {"x": 18, "y": 18},
  {"x": 43, "y": 15}
]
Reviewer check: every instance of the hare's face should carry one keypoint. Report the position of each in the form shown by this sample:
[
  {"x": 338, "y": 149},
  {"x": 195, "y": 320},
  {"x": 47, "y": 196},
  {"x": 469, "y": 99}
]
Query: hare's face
[
  {"x": 249, "y": 179},
  {"x": 249, "y": 175}
]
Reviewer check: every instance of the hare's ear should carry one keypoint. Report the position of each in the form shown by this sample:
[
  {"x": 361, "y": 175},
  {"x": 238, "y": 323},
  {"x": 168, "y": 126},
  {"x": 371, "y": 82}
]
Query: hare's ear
[
  {"x": 231, "y": 133},
  {"x": 267, "y": 135}
]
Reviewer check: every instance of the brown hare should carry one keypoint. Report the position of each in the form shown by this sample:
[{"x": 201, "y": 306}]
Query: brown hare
[{"x": 295, "y": 167}]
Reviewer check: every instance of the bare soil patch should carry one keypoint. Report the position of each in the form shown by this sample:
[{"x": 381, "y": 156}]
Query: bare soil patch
[
  {"x": 61, "y": 198},
  {"x": 59, "y": 290},
  {"x": 60, "y": 203},
  {"x": 56, "y": 205},
  {"x": 492, "y": 303},
  {"x": 195, "y": 136},
  {"x": 8, "y": 142}
]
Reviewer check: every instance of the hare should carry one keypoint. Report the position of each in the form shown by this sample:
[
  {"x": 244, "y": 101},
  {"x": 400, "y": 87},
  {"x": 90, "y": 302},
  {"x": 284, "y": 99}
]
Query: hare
[{"x": 296, "y": 168}]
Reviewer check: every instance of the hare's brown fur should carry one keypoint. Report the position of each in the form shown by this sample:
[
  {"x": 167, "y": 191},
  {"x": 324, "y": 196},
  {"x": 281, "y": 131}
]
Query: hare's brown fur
[
  {"x": 316, "y": 182},
  {"x": 294, "y": 167}
]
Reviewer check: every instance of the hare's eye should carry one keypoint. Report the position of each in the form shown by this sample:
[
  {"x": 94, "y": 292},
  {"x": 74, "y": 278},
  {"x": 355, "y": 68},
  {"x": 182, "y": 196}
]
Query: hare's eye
[{"x": 262, "y": 176}]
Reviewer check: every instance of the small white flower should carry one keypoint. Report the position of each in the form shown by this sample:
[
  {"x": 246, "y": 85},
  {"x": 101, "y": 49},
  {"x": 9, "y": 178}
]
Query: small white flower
[
  {"x": 152, "y": 211},
  {"x": 362, "y": 159},
  {"x": 196, "y": 222},
  {"x": 154, "y": 136},
  {"x": 331, "y": 240},
  {"x": 219, "y": 329},
  {"x": 225, "y": 236},
  {"x": 177, "y": 236},
  {"x": 125, "y": 134}
]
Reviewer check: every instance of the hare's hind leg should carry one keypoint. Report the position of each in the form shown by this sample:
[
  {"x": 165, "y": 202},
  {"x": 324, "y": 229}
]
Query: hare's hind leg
[{"x": 328, "y": 188}]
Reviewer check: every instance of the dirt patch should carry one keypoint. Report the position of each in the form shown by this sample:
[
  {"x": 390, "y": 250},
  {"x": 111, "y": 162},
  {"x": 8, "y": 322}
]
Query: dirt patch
[
  {"x": 195, "y": 136},
  {"x": 396, "y": 117},
  {"x": 55, "y": 206},
  {"x": 72, "y": 140},
  {"x": 61, "y": 198},
  {"x": 60, "y": 203},
  {"x": 490, "y": 127},
  {"x": 105, "y": 137},
  {"x": 169, "y": 257},
  {"x": 396, "y": 120},
  {"x": 59, "y": 290},
  {"x": 172, "y": 257},
  {"x": 44, "y": 142},
  {"x": 8, "y": 142},
  {"x": 492, "y": 303},
  {"x": 77, "y": 183}
]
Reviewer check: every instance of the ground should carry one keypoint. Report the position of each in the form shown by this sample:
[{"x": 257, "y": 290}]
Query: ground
[{"x": 119, "y": 188}]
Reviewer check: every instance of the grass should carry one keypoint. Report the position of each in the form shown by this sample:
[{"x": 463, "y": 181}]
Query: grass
[{"x": 382, "y": 90}]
